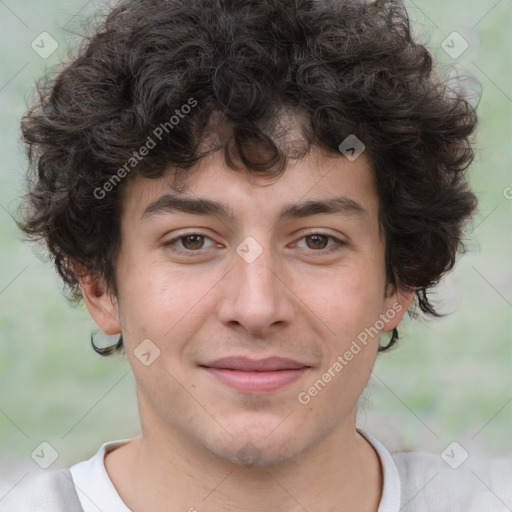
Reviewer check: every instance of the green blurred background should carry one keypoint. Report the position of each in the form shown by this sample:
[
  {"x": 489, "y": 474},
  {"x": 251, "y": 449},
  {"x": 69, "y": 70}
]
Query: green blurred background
[{"x": 449, "y": 379}]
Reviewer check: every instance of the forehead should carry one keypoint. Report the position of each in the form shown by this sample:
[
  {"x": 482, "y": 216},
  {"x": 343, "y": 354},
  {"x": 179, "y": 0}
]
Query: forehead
[{"x": 350, "y": 185}]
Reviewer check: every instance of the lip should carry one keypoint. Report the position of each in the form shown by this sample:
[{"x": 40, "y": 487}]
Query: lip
[
  {"x": 256, "y": 376},
  {"x": 246, "y": 364}
]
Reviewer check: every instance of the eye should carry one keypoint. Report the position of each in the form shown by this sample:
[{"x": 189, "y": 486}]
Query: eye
[
  {"x": 192, "y": 242},
  {"x": 195, "y": 243},
  {"x": 318, "y": 242}
]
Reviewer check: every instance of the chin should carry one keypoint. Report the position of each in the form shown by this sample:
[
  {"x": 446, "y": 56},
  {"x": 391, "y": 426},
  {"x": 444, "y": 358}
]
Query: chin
[
  {"x": 260, "y": 445},
  {"x": 252, "y": 454}
]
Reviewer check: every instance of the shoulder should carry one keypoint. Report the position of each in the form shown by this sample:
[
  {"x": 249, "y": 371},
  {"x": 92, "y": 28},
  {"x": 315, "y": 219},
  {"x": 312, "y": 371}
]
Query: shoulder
[
  {"x": 41, "y": 491},
  {"x": 430, "y": 482}
]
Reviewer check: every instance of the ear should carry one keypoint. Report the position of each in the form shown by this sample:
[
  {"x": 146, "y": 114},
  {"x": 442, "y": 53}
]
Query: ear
[
  {"x": 101, "y": 304},
  {"x": 396, "y": 303}
]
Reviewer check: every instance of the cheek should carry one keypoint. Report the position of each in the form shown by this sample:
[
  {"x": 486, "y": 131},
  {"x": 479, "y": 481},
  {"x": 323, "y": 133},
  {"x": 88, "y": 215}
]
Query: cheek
[
  {"x": 159, "y": 301},
  {"x": 347, "y": 301},
  {"x": 350, "y": 309}
]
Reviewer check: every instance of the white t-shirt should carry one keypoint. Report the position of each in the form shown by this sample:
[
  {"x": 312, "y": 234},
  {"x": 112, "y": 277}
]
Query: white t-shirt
[
  {"x": 96, "y": 491},
  {"x": 452, "y": 481},
  {"x": 412, "y": 481}
]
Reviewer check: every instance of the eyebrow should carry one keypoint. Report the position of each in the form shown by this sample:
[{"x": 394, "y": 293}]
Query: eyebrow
[{"x": 170, "y": 203}]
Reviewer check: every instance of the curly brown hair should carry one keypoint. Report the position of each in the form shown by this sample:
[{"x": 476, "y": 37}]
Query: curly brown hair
[{"x": 343, "y": 67}]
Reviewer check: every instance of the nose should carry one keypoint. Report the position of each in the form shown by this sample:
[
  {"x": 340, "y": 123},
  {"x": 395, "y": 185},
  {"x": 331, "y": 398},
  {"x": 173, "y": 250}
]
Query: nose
[{"x": 256, "y": 296}]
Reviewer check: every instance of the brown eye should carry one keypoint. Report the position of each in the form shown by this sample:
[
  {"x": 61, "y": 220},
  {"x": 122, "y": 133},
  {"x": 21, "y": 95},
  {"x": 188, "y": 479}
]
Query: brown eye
[
  {"x": 192, "y": 242},
  {"x": 318, "y": 242}
]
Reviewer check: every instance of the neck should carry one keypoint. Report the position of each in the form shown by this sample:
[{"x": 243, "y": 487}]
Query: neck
[{"x": 156, "y": 469}]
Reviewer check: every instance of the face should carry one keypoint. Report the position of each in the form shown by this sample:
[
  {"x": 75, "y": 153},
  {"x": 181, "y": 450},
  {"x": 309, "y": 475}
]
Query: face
[{"x": 252, "y": 326}]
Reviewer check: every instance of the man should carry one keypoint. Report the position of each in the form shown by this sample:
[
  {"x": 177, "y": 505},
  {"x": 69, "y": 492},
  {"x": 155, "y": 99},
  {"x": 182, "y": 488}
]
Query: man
[{"x": 250, "y": 194}]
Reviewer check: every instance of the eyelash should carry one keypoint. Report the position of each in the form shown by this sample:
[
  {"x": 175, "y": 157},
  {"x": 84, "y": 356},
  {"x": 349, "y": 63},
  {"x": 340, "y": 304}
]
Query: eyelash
[{"x": 339, "y": 244}]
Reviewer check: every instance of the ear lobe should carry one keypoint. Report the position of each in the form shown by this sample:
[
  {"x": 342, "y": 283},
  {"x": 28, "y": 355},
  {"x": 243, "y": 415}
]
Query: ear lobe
[
  {"x": 395, "y": 307},
  {"x": 100, "y": 303}
]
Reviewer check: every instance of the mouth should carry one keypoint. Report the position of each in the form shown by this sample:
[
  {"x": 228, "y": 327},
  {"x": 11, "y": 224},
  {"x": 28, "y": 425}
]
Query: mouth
[{"x": 256, "y": 376}]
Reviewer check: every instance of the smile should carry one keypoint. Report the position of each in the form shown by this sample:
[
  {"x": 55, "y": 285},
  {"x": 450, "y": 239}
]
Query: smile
[
  {"x": 256, "y": 382},
  {"x": 256, "y": 376}
]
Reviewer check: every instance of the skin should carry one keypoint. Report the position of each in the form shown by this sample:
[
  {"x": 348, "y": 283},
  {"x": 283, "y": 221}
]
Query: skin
[{"x": 293, "y": 301}]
